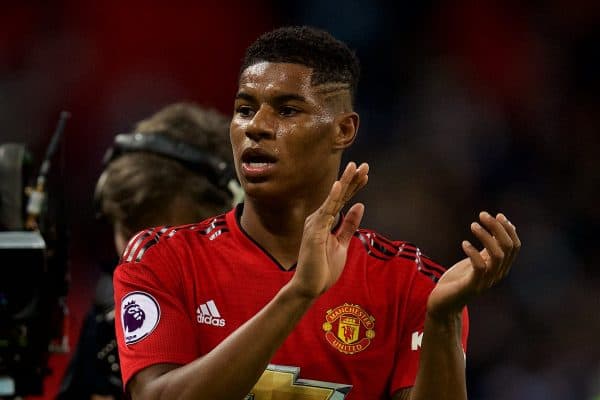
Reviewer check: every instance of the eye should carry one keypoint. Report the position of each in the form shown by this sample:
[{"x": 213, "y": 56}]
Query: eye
[
  {"x": 288, "y": 111},
  {"x": 245, "y": 111}
]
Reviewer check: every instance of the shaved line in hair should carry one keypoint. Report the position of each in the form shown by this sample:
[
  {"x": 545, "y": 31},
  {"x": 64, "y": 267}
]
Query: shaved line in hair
[{"x": 336, "y": 95}]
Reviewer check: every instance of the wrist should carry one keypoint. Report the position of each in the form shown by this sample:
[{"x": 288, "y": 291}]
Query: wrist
[
  {"x": 445, "y": 321},
  {"x": 293, "y": 293},
  {"x": 298, "y": 288}
]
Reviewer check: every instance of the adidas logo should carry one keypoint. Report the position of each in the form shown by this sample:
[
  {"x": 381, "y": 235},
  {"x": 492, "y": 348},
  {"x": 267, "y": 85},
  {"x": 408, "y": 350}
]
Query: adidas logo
[{"x": 208, "y": 314}]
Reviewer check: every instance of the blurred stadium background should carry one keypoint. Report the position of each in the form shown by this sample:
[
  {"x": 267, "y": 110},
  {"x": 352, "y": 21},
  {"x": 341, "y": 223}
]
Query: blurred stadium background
[{"x": 465, "y": 105}]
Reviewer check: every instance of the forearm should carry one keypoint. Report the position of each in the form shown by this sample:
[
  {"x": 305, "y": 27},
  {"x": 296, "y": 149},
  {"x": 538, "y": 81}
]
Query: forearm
[
  {"x": 441, "y": 373},
  {"x": 232, "y": 368}
]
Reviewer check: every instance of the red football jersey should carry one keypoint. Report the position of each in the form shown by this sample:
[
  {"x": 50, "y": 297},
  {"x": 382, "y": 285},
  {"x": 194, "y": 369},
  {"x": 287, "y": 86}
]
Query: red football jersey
[{"x": 181, "y": 291}]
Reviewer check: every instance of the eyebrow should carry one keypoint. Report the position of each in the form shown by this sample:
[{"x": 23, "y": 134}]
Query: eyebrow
[
  {"x": 285, "y": 97},
  {"x": 244, "y": 96},
  {"x": 280, "y": 98}
]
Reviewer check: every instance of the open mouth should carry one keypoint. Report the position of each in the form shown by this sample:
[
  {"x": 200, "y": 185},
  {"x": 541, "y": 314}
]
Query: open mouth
[
  {"x": 257, "y": 164},
  {"x": 257, "y": 158}
]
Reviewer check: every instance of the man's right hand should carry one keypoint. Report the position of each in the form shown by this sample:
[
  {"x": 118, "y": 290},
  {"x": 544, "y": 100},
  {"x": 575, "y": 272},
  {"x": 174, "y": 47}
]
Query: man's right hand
[{"x": 322, "y": 253}]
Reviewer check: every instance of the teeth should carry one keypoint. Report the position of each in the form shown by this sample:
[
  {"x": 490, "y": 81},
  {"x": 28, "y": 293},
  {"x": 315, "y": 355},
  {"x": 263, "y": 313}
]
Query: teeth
[{"x": 257, "y": 164}]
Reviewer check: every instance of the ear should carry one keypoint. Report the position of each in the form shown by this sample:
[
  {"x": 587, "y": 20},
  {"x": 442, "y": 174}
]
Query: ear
[{"x": 346, "y": 130}]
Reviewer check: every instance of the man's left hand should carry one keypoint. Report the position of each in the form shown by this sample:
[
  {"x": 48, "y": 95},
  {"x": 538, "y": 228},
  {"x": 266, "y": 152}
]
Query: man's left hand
[{"x": 480, "y": 270}]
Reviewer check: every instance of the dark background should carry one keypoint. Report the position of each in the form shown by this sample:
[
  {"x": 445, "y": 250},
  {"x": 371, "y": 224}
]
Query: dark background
[{"x": 465, "y": 105}]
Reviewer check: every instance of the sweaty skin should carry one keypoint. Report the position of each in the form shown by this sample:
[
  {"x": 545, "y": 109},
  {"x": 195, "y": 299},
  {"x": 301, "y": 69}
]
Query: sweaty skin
[{"x": 287, "y": 143}]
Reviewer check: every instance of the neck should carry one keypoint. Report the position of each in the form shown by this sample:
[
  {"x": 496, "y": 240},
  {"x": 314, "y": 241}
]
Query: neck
[{"x": 277, "y": 227}]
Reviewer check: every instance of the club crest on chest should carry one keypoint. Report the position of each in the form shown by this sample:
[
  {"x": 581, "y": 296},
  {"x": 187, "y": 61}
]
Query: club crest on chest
[{"x": 349, "y": 328}]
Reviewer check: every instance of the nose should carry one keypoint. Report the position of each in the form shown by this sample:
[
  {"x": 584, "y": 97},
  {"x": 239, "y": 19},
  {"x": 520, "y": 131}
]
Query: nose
[{"x": 261, "y": 126}]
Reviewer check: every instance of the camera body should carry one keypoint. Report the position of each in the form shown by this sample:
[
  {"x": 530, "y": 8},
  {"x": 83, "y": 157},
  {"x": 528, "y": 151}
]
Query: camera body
[
  {"x": 33, "y": 277},
  {"x": 25, "y": 313}
]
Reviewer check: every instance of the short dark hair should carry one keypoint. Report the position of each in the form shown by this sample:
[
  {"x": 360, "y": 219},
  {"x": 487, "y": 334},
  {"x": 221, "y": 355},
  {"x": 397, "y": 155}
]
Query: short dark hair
[
  {"x": 139, "y": 186},
  {"x": 331, "y": 60}
]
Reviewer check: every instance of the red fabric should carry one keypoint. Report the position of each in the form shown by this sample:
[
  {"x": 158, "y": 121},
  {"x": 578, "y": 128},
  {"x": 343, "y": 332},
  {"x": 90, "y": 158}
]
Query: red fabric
[{"x": 358, "y": 333}]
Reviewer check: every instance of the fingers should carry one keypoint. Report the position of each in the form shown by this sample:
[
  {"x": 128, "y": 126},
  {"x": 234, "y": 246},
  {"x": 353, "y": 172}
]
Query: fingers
[
  {"x": 350, "y": 224},
  {"x": 512, "y": 233},
  {"x": 359, "y": 180},
  {"x": 352, "y": 180},
  {"x": 493, "y": 237},
  {"x": 476, "y": 257},
  {"x": 334, "y": 201},
  {"x": 500, "y": 241}
]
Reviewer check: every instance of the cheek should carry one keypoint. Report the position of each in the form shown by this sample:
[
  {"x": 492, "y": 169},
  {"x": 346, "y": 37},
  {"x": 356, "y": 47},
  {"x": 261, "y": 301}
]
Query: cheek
[
  {"x": 310, "y": 138},
  {"x": 236, "y": 135}
]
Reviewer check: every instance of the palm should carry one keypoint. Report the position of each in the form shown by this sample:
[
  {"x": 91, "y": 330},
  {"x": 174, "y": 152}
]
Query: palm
[
  {"x": 454, "y": 289},
  {"x": 480, "y": 270},
  {"x": 337, "y": 253},
  {"x": 322, "y": 253},
  {"x": 326, "y": 260}
]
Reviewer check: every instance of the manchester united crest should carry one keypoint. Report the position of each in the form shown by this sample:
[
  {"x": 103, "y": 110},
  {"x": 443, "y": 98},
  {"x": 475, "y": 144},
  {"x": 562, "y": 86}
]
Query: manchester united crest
[{"x": 349, "y": 328}]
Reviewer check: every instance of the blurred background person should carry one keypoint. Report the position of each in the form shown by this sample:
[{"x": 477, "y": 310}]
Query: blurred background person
[
  {"x": 463, "y": 95},
  {"x": 173, "y": 169}
]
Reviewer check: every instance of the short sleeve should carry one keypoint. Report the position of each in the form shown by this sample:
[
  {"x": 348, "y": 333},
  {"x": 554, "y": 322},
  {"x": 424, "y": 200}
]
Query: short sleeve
[
  {"x": 409, "y": 344},
  {"x": 151, "y": 324}
]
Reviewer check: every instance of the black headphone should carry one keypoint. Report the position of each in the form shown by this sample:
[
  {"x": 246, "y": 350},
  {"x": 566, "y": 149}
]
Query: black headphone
[{"x": 217, "y": 171}]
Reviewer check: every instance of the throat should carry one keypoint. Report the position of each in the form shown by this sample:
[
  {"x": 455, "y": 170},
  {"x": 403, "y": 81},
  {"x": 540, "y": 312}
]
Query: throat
[
  {"x": 283, "y": 262},
  {"x": 282, "y": 250},
  {"x": 278, "y": 233}
]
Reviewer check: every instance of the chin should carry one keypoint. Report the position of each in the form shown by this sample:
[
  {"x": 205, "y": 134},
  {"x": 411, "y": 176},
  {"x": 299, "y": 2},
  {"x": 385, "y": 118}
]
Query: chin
[{"x": 266, "y": 191}]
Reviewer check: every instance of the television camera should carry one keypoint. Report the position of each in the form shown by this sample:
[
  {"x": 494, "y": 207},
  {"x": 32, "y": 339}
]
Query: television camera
[{"x": 33, "y": 267}]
